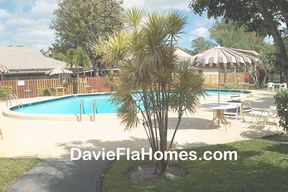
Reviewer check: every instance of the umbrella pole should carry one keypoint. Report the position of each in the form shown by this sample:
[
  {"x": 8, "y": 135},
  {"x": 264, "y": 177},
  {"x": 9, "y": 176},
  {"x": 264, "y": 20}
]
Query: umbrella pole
[
  {"x": 218, "y": 93},
  {"x": 218, "y": 86}
]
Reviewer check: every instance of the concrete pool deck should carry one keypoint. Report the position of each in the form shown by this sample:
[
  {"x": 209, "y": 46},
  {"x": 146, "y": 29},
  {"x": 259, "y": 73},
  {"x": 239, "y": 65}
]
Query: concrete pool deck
[{"x": 54, "y": 139}]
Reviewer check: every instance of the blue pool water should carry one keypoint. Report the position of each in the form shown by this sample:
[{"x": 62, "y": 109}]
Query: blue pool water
[
  {"x": 225, "y": 92},
  {"x": 71, "y": 104}
]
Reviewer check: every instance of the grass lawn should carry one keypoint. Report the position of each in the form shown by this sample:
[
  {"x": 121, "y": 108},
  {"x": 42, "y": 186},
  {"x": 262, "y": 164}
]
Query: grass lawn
[
  {"x": 262, "y": 166},
  {"x": 12, "y": 168}
]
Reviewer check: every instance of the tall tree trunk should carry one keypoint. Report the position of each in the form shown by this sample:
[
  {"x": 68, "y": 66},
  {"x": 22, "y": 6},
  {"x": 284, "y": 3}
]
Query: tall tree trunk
[
  {"x": 253, "y": 74},
  {"x": 280, "y": 46}
]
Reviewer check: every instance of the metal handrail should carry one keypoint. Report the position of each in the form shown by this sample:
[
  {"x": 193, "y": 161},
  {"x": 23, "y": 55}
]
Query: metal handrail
[
  {"x": 82, "y": 109},
  {"x": 94, "y": 109},
  {"x": 83, "y": 106},
  {"x": 16, "y": 99},
  {"x": 242, "y": 84},
  {"x": 233, "y": 88}
]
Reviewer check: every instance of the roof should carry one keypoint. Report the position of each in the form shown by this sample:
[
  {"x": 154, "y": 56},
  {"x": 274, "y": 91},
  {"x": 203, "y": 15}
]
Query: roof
[
  {"x": 26, "y": 58},
  {"x": 182, "y": 55},
  {"x": 224, "y": 57}
]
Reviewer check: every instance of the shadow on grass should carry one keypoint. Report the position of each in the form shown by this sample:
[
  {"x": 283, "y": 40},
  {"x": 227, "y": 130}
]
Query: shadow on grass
[
  {"x": 279, "y": 148},
  {"x": 256, "y": 131}
]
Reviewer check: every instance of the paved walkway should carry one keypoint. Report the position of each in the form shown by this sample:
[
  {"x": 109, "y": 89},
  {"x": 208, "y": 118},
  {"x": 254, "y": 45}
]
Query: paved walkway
[
  {"x": 52, "y": 141},
  {"x": 62, "y": 175}
]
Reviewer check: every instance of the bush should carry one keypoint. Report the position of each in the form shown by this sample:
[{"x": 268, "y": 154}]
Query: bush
[
  {"x": 45, "y": 91},
  {"x": 4, "y": 91},
  {"x": 281, "y": 100}
]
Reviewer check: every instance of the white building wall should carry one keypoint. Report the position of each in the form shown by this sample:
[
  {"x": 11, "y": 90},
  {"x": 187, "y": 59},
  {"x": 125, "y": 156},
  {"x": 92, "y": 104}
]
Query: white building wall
[{"x": 209, "y": 70}]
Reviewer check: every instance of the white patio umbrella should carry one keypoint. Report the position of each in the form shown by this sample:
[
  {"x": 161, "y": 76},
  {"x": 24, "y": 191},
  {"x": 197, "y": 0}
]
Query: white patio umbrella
[
  {"x": 222, "y": 57},
  {"x": 58, "y": 71},
  {"x": 3, "y": 69}
]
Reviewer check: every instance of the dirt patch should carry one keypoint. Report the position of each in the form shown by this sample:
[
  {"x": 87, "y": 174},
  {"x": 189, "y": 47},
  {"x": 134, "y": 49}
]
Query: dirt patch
[{"x": 145, "y": 174}]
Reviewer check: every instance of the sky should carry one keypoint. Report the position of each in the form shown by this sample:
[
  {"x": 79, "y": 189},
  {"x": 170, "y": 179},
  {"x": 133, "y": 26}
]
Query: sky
[{"x": 26, "y": 22}]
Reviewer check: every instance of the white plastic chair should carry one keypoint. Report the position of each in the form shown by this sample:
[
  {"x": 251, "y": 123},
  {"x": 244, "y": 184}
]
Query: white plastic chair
[
  {"x": 262, "y": 115},
  {"x": 235, "y": 98},
  {"x": 243, "y": 107},
  {"x": 235, "y": 111},
  {"x": 283, "y": 86},
  {"x": 271, "y": 85}
]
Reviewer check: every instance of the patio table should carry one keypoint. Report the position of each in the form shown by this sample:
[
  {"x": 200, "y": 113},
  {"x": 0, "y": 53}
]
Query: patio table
[
  {"x": 60, "y": 90},
  {"x": 218, "y": 113},
  {"x": 88, "y": 88}
]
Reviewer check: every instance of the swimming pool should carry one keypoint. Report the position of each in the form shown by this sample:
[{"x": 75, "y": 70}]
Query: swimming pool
[{"x": 71, "y": 104}]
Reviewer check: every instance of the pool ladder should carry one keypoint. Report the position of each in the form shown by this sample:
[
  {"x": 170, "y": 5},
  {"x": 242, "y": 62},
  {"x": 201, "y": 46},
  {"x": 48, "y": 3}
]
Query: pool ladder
[
  {"x": 238, "y": 84},
  {"x": 82, "y": 110},
  {"x": 13, "y": 97}
]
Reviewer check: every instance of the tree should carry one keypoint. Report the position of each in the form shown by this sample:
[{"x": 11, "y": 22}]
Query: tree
[
  {"x": 281, "y": 101},
  {"x": 78, "y": 58},
  {"x": 269, "y": 60},
  {"x": 234, "y": 36},
  {"x": 77, "y": 22},
  {"x": 145, "y": 50},
  {"x": 262, "y": 16},
  {"x": 200, "y": 44},
  {"x": 58, "y": 56}
]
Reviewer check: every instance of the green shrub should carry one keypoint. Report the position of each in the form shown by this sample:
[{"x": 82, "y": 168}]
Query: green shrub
[
  {"x": 281, "y": 100},
  {"x": 45, "y": 91},
  {"x": 4, "y": 91}
]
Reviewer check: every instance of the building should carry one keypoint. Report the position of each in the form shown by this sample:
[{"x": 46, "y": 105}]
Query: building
[{"x": 26, "y": 63}]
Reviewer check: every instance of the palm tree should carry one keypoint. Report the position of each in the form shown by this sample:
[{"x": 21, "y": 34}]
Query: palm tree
[
  {"x": 69, "y": 57},
  {"x": 77, "y": 58},
  {"x": 148, "y": 63}
]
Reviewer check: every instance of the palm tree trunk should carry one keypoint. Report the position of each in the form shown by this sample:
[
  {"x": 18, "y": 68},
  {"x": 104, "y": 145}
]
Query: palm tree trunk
[
  {"x": 78, "y": 80},
  {"x": 176, "y": 129}
]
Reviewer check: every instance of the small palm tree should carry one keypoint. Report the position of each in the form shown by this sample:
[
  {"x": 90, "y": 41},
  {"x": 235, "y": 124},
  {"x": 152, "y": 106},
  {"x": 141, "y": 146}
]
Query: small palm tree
[
  {"x": 78, "y": 58},
  {"x": 148, "y": 63}
]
